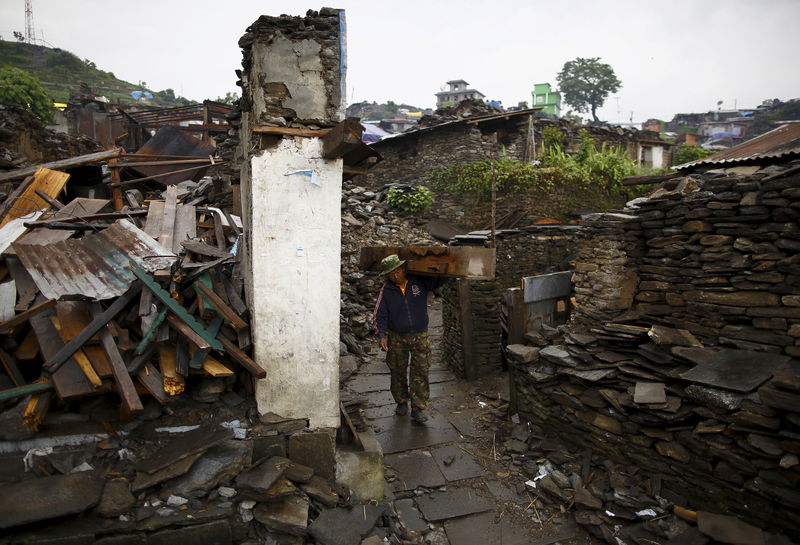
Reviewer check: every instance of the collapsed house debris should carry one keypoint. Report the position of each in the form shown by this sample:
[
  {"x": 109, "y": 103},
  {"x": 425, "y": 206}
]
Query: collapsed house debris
[{"x": 680, "y": 357}]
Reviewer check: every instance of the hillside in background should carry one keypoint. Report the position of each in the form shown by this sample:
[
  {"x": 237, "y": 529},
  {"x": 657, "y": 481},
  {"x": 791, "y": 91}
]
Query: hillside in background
[{"x": 61, "y": 72}]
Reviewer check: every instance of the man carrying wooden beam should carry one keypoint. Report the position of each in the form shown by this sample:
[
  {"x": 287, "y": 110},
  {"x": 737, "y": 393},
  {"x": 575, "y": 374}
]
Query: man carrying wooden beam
[{"x": 401, "y": 323}]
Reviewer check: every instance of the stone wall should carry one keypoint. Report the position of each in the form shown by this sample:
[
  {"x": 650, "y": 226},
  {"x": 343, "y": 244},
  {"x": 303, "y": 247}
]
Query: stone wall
[
  {"x": 678, "y": 300},
  {"x": 538, "y": 250},
  {"x": 408, "y": 159}
]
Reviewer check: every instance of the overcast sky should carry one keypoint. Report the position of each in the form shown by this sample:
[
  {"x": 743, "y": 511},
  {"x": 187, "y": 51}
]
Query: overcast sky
[{"x": 673, "y": 56}]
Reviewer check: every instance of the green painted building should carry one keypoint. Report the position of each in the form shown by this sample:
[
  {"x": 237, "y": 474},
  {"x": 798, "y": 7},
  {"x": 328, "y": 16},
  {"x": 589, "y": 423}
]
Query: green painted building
[{"x": 546, "y": 98}]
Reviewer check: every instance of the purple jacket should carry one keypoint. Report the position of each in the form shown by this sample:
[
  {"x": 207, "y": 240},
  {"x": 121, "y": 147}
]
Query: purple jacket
[{"x": 404, "y": 313}]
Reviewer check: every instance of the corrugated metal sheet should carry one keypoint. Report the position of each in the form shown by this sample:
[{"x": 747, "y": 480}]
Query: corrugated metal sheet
[
  {"x": 781, "y": 142},
  {"x": 95, "y": 266}
]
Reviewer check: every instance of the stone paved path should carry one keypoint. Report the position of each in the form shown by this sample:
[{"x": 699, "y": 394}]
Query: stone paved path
[{"x": 448, "y": 478}]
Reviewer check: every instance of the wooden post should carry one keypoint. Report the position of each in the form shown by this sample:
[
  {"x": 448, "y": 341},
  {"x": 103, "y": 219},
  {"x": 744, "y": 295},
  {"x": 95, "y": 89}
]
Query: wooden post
[
  {"x": 517, "y": 318},
  {"x": 116, "y": 190},
  {"x": 465, "y": 315}
]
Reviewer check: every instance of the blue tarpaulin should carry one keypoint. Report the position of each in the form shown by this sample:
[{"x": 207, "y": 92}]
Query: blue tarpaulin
[{"x": 372, "y": 133}]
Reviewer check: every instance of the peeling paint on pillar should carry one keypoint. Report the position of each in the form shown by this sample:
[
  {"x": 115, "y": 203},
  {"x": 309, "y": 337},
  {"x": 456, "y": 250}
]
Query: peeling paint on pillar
[
  {"x": 293, "y": 75},
  {"x": 296, "y": 252}
]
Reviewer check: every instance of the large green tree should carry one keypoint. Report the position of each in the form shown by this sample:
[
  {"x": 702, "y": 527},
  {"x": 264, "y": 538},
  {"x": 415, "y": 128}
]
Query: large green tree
[
  {"x": 18, "y": 88},
  {"x": 586, "y": 83}
]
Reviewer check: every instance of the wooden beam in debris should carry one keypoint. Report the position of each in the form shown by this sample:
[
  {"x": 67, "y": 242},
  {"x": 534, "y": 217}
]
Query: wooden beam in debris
[
  {"x": 342, "y": 139},
  {"x": 470, "y": 262},
  {"x": 24, "y": 316},
  {"x": 127, "y": 391},
  {"x": 29, "y": 389},
  {"x": 216, "y": 301},
  {"x": 48, "y": 181},
  {"x": 90, "y": 330},
  {"x": 62, "y": 164},
  {"x": 288, "y": 131},
  {"x": 467, "y": 329}
]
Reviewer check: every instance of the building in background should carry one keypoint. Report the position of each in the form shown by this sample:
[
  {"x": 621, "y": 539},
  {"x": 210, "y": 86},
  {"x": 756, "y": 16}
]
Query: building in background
[
  {"x": 459, "y": 90},
  {"x": 546, "y": 98}
]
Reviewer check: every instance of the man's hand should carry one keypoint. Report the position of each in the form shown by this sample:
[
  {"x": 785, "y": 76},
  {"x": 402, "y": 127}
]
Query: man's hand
[{"x": 384, "y": 342}]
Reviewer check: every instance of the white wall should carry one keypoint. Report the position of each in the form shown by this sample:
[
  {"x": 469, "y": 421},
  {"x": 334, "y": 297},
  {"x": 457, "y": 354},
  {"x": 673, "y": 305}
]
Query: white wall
[{"x": 295, "y": 252}]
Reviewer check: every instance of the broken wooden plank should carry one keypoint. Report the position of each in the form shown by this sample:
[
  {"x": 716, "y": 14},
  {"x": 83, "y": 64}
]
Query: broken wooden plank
[
  {"x": 216, "y": 301},
  {"x": 14, "y": 195},
  {"x": 467, "y": 329},
  {"x": 63, "y": 163},
  {"x": 167, "y": 232},
  {"x": 241, "y": 358},
  {"x": 215, "y": 368},
  {"x": 343, "y": 138},
  {"x": 452, "y": 261},
  {"x": 173, "y": 382},
  {"x": 174, "y": 306},
  {"x": 188, "y": 333},
  {"x": 25, "y": 316},
  {"x": 68, "y": 379},
  {"x": 28, "y": 349},
  {"x": 153, "y": 382},
  {"x": 127, "y": 391},
  {"x": 89, "y": 331},
  {"x": 28, "y": 389},
  {"x": 73, "y": 211},
  {"x": 11, "y": 369},
  {"x": 79, "y": 356},
  {"x": 48, "y": 181},
  {"x": 54, "y": 203},
  {"x": 36, "y": 410},
  {"x": 201, "y": 248}
]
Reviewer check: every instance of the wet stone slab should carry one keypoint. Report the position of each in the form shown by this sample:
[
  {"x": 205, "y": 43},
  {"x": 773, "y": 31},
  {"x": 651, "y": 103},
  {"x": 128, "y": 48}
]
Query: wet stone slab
[
  {"x": 410, "y": 516},
  {"x": 483, "y": 529},
  {"x": 456, "y": 463},
  {"x": 345, "y": 526},
  {"x": 379, "y": 399},
  {"x": 464, "y": 421},
  {"x": 415, "y": 469},
  {"x": 363, "y": 384},
  {"x": 48, "y": 497},
  {"x": 401, "y": 434},
  {"x": 452, "y": 503},
  {"x": 506, "y": 493},
  {"x": 383, "y": 411}
]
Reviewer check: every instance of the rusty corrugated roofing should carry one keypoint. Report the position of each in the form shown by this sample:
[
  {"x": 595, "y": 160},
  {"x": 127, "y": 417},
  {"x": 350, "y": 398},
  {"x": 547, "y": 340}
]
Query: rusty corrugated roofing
[
  {"x": 95, "y": 266},
  {"x": 780, "y": 142}
]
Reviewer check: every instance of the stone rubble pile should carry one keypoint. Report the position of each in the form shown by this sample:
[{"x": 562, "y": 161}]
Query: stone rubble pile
[
  {"x": 678, "y": 359},
  {"x": 368, "y": 220}
]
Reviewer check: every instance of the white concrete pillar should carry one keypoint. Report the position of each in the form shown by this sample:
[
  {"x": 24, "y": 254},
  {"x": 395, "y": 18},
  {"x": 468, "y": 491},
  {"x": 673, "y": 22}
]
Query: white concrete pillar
[{"x": 295, "y": 255}]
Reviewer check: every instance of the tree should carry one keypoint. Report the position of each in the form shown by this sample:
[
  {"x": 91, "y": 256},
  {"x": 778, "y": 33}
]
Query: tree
[
  {"x": 586, "y": 83},
  {"x": 229, "y": 98},
  {"x": 20, "y": 89}
]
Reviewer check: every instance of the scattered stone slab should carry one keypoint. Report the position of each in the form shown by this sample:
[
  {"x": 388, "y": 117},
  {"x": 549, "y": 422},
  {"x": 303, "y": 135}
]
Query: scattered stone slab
[
  {"x": 455, "y": 463},
  {"x": 219, "y": 464},
  {"x": 678, "y": 337},
  {"x": 116, "y": 499},
  {"x": 649, "y": 392},
  {"x": 415, "y": 469},
  {"x": 345, "y": 525},
  {"x": 260, "y": 478},
  {"x": 727, "y": 529},
  {"x": 505, "y": 493},
  {"x": 289, "y": 515},
  {"x": 317, "y": 450},
  {"x": 410, "y": 516},
  {"x": 522, "y": 353},
  {"x": 734, "y": 369},
  {"x": 401, "y": 434},
  {"x": 362, "y": 384},
  {"x": 690, "y": 536},
  {"x": 584, "y": 497},
  {"x": 464, "y": 421},
  {"x": 451, "y": 503},
  {"x": 218, "y": 533},
  {"x": 145, "y": 480},
  {"x": 48, "y": 497},
  {"x": 482, "y": 529},
  {"x": 319, "y": 489},
  {"x": 186, "y": 444}
]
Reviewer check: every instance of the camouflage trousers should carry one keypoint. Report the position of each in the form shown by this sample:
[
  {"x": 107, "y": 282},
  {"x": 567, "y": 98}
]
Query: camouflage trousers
[{"x": 411, "y": 382}]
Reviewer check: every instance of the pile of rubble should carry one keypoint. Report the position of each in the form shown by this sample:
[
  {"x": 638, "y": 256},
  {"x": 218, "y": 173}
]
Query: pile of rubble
[
  {"x": 24, "y": 140},
  {"x": 466, "y": 108},
  {"x": 368, "y": 220},
  {"x": 679, "y": 357}
]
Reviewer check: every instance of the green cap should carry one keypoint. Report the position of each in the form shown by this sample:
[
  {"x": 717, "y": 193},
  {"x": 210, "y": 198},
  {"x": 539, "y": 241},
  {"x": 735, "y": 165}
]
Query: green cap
[{"x": 390, "y": 263}]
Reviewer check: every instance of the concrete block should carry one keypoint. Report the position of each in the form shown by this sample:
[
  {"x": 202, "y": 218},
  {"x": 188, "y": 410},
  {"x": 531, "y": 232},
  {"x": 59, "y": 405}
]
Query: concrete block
[
  {"x": 316, "y": 450},
  {"x": 362, "y": 470}
]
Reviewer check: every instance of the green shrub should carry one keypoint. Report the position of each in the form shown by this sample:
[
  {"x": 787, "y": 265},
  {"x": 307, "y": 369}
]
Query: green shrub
[
  {"x": 20, "y": 89},
  {"x": 686, "y": 154},
  {"x": 476, "y": 178},
  {"x": 410, "y": 200}
]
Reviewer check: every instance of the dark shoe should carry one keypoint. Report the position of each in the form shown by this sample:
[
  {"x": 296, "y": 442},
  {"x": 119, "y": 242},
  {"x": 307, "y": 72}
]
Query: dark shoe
[
  {"x": 419, "y": 416},
  {"x": 401, "y": 409}
]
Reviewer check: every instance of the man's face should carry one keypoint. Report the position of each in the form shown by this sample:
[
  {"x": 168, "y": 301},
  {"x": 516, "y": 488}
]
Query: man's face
[{"x": 397, "y": 276}]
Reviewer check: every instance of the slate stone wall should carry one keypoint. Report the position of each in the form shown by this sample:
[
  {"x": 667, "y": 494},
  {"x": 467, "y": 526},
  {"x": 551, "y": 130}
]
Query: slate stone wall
[
  {"x": 527, "y": 253},
  {"x": 706, "y": 272}
]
